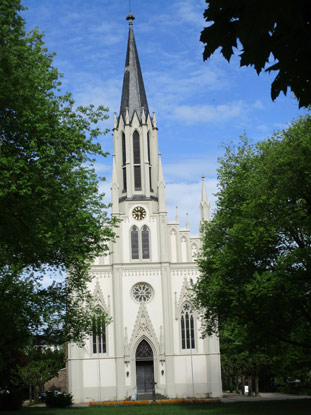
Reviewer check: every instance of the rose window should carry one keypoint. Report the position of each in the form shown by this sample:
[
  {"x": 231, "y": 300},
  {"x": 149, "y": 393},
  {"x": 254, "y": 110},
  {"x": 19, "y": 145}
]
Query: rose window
[{"x": 142, "y": 292}]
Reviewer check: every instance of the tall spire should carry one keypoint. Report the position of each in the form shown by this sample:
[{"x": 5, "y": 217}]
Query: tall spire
[{"x": 133, "y": 92}]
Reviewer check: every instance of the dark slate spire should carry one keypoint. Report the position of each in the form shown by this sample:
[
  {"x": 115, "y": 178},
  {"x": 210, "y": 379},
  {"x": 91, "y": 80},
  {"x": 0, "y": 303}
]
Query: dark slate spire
[{"x": 133, "y": 91}]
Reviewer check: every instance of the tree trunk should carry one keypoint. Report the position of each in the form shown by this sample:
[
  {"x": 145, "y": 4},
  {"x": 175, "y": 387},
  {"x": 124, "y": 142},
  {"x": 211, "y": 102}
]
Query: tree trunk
[
  {"x": 30, "y": 395},
  {"x": 243, "y": 384},
  {"x": 231, "y": 386},
  {"x": 36, "y": 392},
  {"x": 237, "y": 384},
  {"x": 250, "y": 385},
  {"x": 256, "y": 385}
]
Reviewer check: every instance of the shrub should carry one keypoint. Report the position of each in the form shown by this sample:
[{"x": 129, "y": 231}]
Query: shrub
[
  {"x": 58, "y": 400},
  {"x": 11, "y": 400}
]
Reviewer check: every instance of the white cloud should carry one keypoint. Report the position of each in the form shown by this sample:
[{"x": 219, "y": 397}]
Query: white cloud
[
  {"x": 208, "y": 113},
  {"x": 258, "y": 105},
  {"x": 191, "y": 12},
  {"x": 189, "y": 169}
]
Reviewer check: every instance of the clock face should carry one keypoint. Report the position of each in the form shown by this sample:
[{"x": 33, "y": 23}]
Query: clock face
[{"x": 139, "y": 213}]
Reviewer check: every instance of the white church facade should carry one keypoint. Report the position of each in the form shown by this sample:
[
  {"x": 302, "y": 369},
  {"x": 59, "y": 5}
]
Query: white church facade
[{"x": 152, "y": 344}]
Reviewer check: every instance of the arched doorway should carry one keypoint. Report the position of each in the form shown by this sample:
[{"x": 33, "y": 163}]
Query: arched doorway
[{"x": 144, "y": 368}]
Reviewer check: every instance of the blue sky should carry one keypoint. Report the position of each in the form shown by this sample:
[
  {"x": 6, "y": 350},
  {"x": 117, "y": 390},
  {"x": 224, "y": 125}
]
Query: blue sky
[{"x": 199, "y": 105}]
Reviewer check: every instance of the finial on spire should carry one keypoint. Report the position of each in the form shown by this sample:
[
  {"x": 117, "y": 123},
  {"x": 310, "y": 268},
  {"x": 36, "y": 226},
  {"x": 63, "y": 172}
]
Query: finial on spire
[
  {"x": 130, "y": 18},
  {"x": 204, "y": 204},
  {"x": 177, "y": 215}
]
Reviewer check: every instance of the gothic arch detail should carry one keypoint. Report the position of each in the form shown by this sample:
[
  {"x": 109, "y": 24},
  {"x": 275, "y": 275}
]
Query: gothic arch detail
[
  {"x": 173, "y": 245},
  {"x": 99, "y": 300},
  {"x": 187, "y": 326},
  {"x": 143, "y": 329},
  {"x": 183, "y": 296}
]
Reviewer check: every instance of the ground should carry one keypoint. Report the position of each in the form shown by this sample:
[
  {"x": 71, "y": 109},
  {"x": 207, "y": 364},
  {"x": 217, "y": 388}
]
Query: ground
[{"x": 249, "y": 406}]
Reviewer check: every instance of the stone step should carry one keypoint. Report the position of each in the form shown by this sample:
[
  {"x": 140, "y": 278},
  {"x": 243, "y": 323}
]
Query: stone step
[{"x": 150, "y": 396}]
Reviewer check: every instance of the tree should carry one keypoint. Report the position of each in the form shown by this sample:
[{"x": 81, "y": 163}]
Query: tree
[
  {"x": 42, "y": 364},
  {"x": 256, "y": 258},
  {"x": 51, "y": 215},
  {"x": 241, "y": 359},
  {"x": 270, "y": 35}
]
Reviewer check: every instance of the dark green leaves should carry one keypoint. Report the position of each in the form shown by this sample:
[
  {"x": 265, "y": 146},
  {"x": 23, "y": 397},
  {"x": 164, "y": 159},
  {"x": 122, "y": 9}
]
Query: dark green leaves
[
  {"x": 51, "y": 215},
  {"x": 256, "y": 260},
  {"x": 270, "y": 35}
]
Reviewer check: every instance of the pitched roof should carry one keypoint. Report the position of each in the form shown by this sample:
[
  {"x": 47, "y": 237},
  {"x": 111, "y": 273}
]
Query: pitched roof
[{"x": 133, "y": 91}]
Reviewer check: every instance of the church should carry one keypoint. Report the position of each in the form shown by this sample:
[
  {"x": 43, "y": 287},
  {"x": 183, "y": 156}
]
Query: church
[{"x": 151, "y": 345}]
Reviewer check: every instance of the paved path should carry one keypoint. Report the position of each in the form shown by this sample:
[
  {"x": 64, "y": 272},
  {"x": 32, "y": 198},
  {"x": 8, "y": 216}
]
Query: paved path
[{"x": 233, "y": 397}]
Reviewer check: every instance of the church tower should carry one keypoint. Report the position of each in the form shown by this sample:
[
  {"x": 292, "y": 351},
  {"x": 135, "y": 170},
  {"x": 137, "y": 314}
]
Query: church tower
[{"x": 152, "y": 344}]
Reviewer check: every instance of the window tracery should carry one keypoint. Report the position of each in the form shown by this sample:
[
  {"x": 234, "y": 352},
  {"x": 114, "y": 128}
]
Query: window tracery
[
  {"x": 99, "y": 334},
  {"x": 144, "y": 351},
  {"x": 142, "y": 292},
  {"x": 187, "y": 326}
]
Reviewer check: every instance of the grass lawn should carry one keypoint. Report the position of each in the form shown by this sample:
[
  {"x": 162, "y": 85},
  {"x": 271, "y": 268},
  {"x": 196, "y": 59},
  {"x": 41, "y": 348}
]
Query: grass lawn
[{"x": 295, "y": 407}]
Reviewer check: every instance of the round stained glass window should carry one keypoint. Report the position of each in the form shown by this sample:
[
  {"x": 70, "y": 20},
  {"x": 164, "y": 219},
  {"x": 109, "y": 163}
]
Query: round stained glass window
[{"x": 142, "y": 292}]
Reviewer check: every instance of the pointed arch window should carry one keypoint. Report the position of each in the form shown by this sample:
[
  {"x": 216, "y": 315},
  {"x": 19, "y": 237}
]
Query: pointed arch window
[
  {"x": 99, "y": 334},
  {"x": 134, "y": 243},
  {"x": 136, "y": 158},
  {"x": 149, "y": 161},
  {"x": 187, "y": 327},
  {"x": 145, "y": 242},
  {"x": 140, "y": 242},
  {"x": 124, "y": 162}
]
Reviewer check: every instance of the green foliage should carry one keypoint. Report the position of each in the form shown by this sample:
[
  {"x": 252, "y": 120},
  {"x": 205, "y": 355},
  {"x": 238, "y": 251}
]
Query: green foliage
[
  {"x": 58, "y": 400},
  {"x": 270, "y": 35},
  {"x": 51, "y": 214},
  {"x": 41, "y": 365},
  {"x": 256, "y": 257}
]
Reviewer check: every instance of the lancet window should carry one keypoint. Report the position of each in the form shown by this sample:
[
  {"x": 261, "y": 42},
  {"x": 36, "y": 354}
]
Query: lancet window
[
  {"x": 145, "y": 242},
  {"x": 124, "y": 162},
  {"x": 134, "y": 243},
  {"x": 136, "y": 159},
  {"x": 187, "y": 327},
  {"x": 99, "y": 334},
  {"x": 149, "y": 161},
  {"x": 140, "y": 242}
]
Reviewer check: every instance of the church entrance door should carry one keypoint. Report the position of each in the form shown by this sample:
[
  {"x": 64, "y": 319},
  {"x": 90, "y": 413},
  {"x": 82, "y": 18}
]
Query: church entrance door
[{"x": 144, "y": 368}]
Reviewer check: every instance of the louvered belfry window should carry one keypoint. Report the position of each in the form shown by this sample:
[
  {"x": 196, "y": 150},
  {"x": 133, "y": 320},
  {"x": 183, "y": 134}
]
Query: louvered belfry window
[
  {"x": 149, "y": 161},
  {"x": 124, "y": 162},
  {"x": 134, "y": 243},
  {"x": 136, "y": 158},
  {"x": 145, "y": 242},
  {"x": 187, "y": 327}
]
